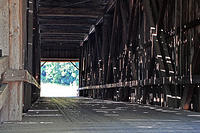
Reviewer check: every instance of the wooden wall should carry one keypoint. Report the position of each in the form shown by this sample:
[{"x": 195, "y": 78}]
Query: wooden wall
[{"x": 4, "y": 27}]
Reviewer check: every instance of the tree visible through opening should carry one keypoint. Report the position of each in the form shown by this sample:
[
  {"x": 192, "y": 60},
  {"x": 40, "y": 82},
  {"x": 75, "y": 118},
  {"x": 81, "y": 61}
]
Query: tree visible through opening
[{"x": 59, "y": 79}]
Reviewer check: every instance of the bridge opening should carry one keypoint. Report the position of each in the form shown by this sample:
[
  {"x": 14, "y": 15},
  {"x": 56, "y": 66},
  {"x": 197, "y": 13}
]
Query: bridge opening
[{"x": 59, "y": 79}]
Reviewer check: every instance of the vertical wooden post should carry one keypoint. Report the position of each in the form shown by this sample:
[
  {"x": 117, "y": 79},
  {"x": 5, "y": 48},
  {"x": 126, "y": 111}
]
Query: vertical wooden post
[
  {"x": 36, "y": 50},
  {"x": 28, "y": 55},
  {"x": 12, "y": 111}
]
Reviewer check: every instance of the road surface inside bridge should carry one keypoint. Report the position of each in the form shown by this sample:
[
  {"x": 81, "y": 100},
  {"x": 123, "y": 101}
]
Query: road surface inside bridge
[{"x": 84, "y": 115}]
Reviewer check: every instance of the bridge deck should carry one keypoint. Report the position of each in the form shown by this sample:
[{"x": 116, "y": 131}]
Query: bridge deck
[{"x": 83, "y": 115}]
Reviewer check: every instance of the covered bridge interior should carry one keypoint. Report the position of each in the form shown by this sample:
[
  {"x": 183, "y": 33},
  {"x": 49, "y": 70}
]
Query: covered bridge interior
[{"x": 143, "y": 52}]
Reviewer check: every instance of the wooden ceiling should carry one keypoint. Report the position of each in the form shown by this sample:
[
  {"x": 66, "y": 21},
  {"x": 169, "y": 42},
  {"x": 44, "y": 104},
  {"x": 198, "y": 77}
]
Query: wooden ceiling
[{"x": 63, "y": 24}]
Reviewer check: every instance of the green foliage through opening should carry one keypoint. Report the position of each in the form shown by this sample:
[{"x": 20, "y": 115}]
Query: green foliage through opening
[{"x": 64, "y": 73}]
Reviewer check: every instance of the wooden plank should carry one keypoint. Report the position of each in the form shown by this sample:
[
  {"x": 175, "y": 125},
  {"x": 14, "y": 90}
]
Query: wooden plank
[
  {"x": 71, "y": 20},
  {"x": 64, "y": 29},
  {"x": 12, "y": 75},
  {"x": 62, "y": 37},
  {"x": 60, "y": 52},
  {"x": 83, "y": 12},
  {"x": 55, "y": 45},
  {"x": 62, "y": 40},
  {"x": 75, "y": 4},
  {"x": 50, "y": 33}
]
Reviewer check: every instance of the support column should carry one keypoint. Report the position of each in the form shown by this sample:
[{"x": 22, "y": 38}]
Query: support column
[{"x": 12, "y": 110}]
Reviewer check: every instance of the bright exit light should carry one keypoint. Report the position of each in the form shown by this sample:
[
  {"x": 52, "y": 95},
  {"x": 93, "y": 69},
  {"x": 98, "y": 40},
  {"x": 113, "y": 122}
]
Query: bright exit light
[{"x": 59, "y": 79}]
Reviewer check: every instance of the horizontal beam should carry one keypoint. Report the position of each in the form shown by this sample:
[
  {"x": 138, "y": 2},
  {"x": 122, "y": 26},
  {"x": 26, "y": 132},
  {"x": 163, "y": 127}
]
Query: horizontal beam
[
  {"x": 63, "y": 25},
  {"x": 61, "y": 48},
  {"x": 60, "y": 59},
  {"x": 3, "y": 64},
  {"x": 12, "y": 75},
  {"x": 153, "y": 81},
  {"x": 70, "y": 20},
  {"x": 61, "y": 34},
  {"x": 80, "y": 4},
  {"x": 59, "y": 52},
  {"x": 43, "y": 40},
  {"x": 82, "y": 12},
  {"x": 60, "y": 44},
  {"x": 63, "y": 30},
  {"x": 62, "y": 37}
]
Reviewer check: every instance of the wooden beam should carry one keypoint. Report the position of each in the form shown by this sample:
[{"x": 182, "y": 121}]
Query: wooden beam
[
  {"x": 60, "y": 41},
  {"x": 13, "y": 107},
  {"x": 60, "y": 53},
  {"x": 61, "y": 46},
  {"x": 61, "y": 34},
  {"x": 80, "y": 4},
  {"x": 19, "y": 76},
  {"x": 62, "y": 37},
  {"x": 63, "y": 25},
  {"x": 62, "y": 49},
  {"x": 30, "y": 79},
  {"x": 70, "y": 35},
  {"x": 64, "y": 29},
  {"x": 81, "y": 12},
  {"x": 71, "y": 20},
  {"x": 60, "y": 59},
  {"x": 52, "y": 43}
]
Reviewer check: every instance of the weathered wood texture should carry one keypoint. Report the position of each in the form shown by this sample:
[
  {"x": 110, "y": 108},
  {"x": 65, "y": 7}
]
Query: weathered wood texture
[
  {"x": 19, "y": 76},
  {"x": 28, "y": 64},
  {"x": 4, "y": 95},
  {"x": 64, "y": 24},
  {"x": 148, "y": 42},
  {"x": 13, "y": 108},
  {"x": 3, "y": 64},
  {"x": 4, "y": 27}
]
